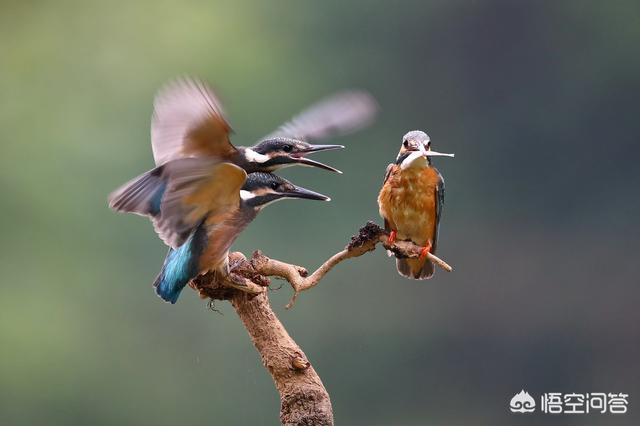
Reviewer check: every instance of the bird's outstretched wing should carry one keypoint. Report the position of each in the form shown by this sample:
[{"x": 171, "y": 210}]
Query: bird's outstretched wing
[
  {"x": 342, "y": 113},
  {"x": 141, "y": 195},
  {"x": 197, "y": 190},
  {"x": 180, "y": 194},
  {"x": 188, "y": 121}
]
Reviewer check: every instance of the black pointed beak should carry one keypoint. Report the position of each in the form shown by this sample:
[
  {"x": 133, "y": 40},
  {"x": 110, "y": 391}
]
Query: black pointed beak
[
  {"x": 299, "y": 157},
  {"x": 318, "y": 148},
  {"x": 312, "y": 163},
  {"x": 299, "y": 192}
]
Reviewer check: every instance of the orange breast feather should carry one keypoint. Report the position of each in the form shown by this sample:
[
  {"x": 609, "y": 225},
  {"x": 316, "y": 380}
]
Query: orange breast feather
[{"x": 408, "y": 202}]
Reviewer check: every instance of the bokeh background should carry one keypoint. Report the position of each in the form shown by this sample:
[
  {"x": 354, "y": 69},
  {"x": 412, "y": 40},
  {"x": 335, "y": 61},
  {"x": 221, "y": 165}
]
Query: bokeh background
[{"x": 538, "y": 99}]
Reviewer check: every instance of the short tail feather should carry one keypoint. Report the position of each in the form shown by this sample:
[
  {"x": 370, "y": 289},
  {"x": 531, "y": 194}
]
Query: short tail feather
[
  {"x": 168, "y": 291},
  {"x": 172, "y": 278},
  {"x": 180, "y": 266},
  {"x": 416, "y": 269}
]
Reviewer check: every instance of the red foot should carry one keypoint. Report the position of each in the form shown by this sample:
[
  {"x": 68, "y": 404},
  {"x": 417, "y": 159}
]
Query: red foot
[
  {"x": 392, "y": 237},
  {"x": 425, "y": 250}
]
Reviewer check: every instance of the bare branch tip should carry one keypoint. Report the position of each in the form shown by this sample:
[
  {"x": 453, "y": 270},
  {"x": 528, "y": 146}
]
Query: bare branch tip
[{"x": 293, "y": 300}]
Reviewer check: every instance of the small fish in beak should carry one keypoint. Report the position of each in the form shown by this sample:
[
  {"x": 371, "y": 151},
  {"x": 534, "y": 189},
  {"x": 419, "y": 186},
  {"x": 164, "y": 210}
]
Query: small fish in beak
[{"x": 430, "y": 153}]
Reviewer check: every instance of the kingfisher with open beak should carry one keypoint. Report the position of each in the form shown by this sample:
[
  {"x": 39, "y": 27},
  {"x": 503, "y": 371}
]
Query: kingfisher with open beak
[
  {"x": 188, "y": 121},
  {"x": 198, "y": 207},
  {"x": 204, "y": 191},
  {"x": 411, "y": 201}
]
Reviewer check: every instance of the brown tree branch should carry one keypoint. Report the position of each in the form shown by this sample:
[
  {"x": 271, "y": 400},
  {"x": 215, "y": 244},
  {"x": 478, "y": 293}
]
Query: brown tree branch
[
  {"x": 303, "y": 398},
  {"x": 368, "y": 237}
]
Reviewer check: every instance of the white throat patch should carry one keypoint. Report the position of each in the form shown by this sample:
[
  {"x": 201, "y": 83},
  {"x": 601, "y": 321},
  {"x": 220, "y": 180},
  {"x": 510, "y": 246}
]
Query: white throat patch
[
  {"x": 246, "y": 195},
  {"x": 255, "y": 157}
]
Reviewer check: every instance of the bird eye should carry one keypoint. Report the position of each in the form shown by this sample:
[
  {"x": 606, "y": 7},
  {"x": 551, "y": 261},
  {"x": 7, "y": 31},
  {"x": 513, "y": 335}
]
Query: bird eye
[
  {"x": 405, "y": 143},
  {"x": 287, "y": 148},
  {"x": 274, "y": 185}
]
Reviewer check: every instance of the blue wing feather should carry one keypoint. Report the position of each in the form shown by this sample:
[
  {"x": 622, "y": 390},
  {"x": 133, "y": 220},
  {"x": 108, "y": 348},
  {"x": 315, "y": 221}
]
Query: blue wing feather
[{"x": 142, "y": 195}]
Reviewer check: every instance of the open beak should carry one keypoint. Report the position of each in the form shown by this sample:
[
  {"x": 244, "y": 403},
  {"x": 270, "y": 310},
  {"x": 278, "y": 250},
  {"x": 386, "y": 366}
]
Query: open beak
[
  {"x": 299, "y": 192},
  {"x": 318, "y": 148},
  {"x": 312, "y": 163},
  {"x": 298, "y": 158}
]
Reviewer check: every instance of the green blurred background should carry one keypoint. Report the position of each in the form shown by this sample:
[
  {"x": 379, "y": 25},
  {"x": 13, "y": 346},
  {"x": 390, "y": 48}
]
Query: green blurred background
[{"x": 538, "y": 99}]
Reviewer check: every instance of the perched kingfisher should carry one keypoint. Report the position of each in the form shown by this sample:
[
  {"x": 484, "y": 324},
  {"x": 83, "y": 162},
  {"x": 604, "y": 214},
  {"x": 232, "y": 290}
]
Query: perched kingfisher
[
  {"x": 198, "y": 207},
  {"x": 188, "y": 121},
  {"x": 411, "y": 201}
]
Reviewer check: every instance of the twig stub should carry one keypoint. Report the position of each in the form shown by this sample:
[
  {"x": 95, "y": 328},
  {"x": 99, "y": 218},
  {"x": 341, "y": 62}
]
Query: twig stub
[
  {"x": 299, "y": 363},
  {"x": 367, "y": 234}
]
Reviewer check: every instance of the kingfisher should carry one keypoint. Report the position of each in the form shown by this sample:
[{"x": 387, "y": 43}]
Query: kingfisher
[
  {"x": 411, "y": 202},
  {"x": 204, "y": 191},
  {"x": 189, "y": 121},
  {"x": 198, "y": 207}
]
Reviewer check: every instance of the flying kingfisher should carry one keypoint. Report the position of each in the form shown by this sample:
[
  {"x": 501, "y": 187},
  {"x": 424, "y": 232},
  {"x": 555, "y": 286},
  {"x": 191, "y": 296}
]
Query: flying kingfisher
[
  {"x": 188, "y": 121},
  {"x": 411, "y": 201},
  {"x": 198, "y": 207}
]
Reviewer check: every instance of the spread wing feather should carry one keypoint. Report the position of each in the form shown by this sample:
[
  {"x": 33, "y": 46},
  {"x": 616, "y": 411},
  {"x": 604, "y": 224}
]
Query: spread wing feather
[
  {"x": 342, "y": 113},
  {"x": 188, "y": 121},
  {"x": 141, "y": 195},
  {"x": 181, "y": 194},
  {"x": 197, "y": 190}
]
